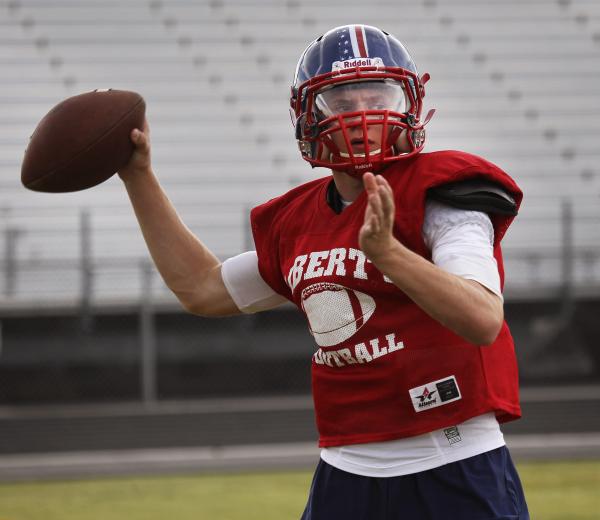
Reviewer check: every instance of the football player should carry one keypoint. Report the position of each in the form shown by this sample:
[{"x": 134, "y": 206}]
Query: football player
[{"x": 395, "y": 260}]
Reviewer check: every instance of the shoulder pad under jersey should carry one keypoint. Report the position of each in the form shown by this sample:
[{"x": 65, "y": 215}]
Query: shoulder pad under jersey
[{"x": 477, "y": 195}]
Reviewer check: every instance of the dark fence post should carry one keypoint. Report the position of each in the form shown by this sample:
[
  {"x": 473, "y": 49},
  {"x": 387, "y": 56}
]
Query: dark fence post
[
  {"x": 86, "y": 271},
  {"x": 10, "y": 261},
  {"x": 567, "y": 250},
  {"x": 147, "y": 334}
]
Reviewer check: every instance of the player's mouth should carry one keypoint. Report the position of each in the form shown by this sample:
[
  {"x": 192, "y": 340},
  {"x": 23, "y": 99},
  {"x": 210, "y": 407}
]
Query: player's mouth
[
  {"x": 359, "y": 148},
  {"x": 358, "y": 145}
]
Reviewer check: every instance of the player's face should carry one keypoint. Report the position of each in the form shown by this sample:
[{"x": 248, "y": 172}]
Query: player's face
[{"x": 361, "y": 98}]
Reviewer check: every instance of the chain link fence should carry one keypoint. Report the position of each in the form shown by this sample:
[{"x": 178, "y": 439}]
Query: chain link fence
[{"x": 78, "y": 327}]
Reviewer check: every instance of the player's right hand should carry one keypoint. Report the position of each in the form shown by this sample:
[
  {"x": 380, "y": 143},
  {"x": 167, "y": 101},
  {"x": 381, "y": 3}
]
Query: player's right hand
[{"x": 140, "y": 163}]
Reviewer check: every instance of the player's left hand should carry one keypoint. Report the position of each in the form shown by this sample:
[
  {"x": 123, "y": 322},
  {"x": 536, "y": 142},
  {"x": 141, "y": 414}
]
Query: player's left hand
[{"x": 375, "y": 237}]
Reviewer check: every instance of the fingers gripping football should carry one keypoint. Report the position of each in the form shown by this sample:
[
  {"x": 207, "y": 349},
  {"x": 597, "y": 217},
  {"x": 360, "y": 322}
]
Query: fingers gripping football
[
  {"x": 140, "y": 161},
  {"x": 375, "y": 236}
]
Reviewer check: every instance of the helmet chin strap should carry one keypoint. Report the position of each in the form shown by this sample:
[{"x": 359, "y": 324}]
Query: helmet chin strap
[{"x": 358, "y": 170}]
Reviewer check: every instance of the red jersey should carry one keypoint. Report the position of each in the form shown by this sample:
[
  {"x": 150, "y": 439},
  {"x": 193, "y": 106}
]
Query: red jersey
[{"x": 383, "y": 368}]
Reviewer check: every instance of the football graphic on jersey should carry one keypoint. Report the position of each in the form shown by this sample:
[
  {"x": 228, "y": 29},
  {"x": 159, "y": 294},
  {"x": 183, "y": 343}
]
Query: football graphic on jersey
[{"x": 335, "y": 313}]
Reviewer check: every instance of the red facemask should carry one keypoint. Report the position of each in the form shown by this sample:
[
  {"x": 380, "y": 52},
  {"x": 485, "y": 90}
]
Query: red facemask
[{"x": 360, "y": 119}]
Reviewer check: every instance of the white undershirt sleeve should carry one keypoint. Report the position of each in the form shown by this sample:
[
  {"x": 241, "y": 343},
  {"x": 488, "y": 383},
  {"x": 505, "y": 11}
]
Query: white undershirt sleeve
[
  {"x": 246, "y": 286},
  {"x": 461, "y": 242}
]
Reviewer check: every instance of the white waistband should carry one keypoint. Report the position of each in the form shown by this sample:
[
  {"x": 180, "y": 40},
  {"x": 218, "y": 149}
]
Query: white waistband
[{"x": 420, "y": 453}]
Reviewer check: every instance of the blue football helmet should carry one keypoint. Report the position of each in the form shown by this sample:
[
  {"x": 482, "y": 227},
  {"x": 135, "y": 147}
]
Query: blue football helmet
[{"x": 356, "y": 101}]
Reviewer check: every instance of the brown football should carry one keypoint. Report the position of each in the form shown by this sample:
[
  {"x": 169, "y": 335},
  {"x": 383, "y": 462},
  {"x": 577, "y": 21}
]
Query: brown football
[{"x": 82, "y": 141}]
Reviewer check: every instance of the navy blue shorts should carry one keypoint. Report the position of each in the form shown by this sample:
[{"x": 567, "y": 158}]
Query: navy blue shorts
[{"x": 483, "y": 487}]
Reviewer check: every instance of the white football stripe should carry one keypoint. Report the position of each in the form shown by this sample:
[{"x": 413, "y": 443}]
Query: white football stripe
[{"x": 331, "y": 316}]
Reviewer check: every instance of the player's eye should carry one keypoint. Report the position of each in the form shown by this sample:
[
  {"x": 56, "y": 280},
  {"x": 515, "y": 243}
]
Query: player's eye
[
  {"x": 378, "y": 106},
  {"x": 344, "y": 107}
]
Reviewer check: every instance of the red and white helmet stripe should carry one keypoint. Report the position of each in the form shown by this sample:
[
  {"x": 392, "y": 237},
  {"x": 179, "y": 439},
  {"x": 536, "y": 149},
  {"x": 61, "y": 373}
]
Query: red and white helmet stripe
[{"x": 359, "y": 41}]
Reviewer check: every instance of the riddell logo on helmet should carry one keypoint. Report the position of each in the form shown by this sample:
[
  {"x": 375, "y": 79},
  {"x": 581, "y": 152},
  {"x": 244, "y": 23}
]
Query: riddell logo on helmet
[{"x": 356, "y": 62}]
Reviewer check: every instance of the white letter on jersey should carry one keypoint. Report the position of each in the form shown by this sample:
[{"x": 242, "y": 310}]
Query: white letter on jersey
[
  {"x": 347, "y": 356},
  {"x": 359, "y": 256},
  {"x": 336, "y": 261},
  {"x": 375, "y": 346},
  {"x": 295, "y": 274},
  {"x": 314, "y": 263},
  {"x": 362, "y": 354},
  {"x": 392, "y": 345}
]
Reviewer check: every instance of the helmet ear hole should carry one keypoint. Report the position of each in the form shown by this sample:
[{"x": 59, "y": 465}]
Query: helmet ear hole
[{"x": 418, "y": 137}]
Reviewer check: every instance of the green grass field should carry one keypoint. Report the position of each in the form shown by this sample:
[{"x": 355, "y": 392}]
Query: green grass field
[{"x": 555, "y": 491}]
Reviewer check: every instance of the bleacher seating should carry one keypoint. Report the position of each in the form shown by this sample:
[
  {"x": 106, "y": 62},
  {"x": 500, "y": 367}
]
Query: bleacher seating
[{"x": 514, "y": 81}]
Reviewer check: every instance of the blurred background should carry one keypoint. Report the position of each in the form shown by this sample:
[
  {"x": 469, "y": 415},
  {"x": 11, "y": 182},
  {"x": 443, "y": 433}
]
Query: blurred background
[{"x": 95, "y": 353}]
